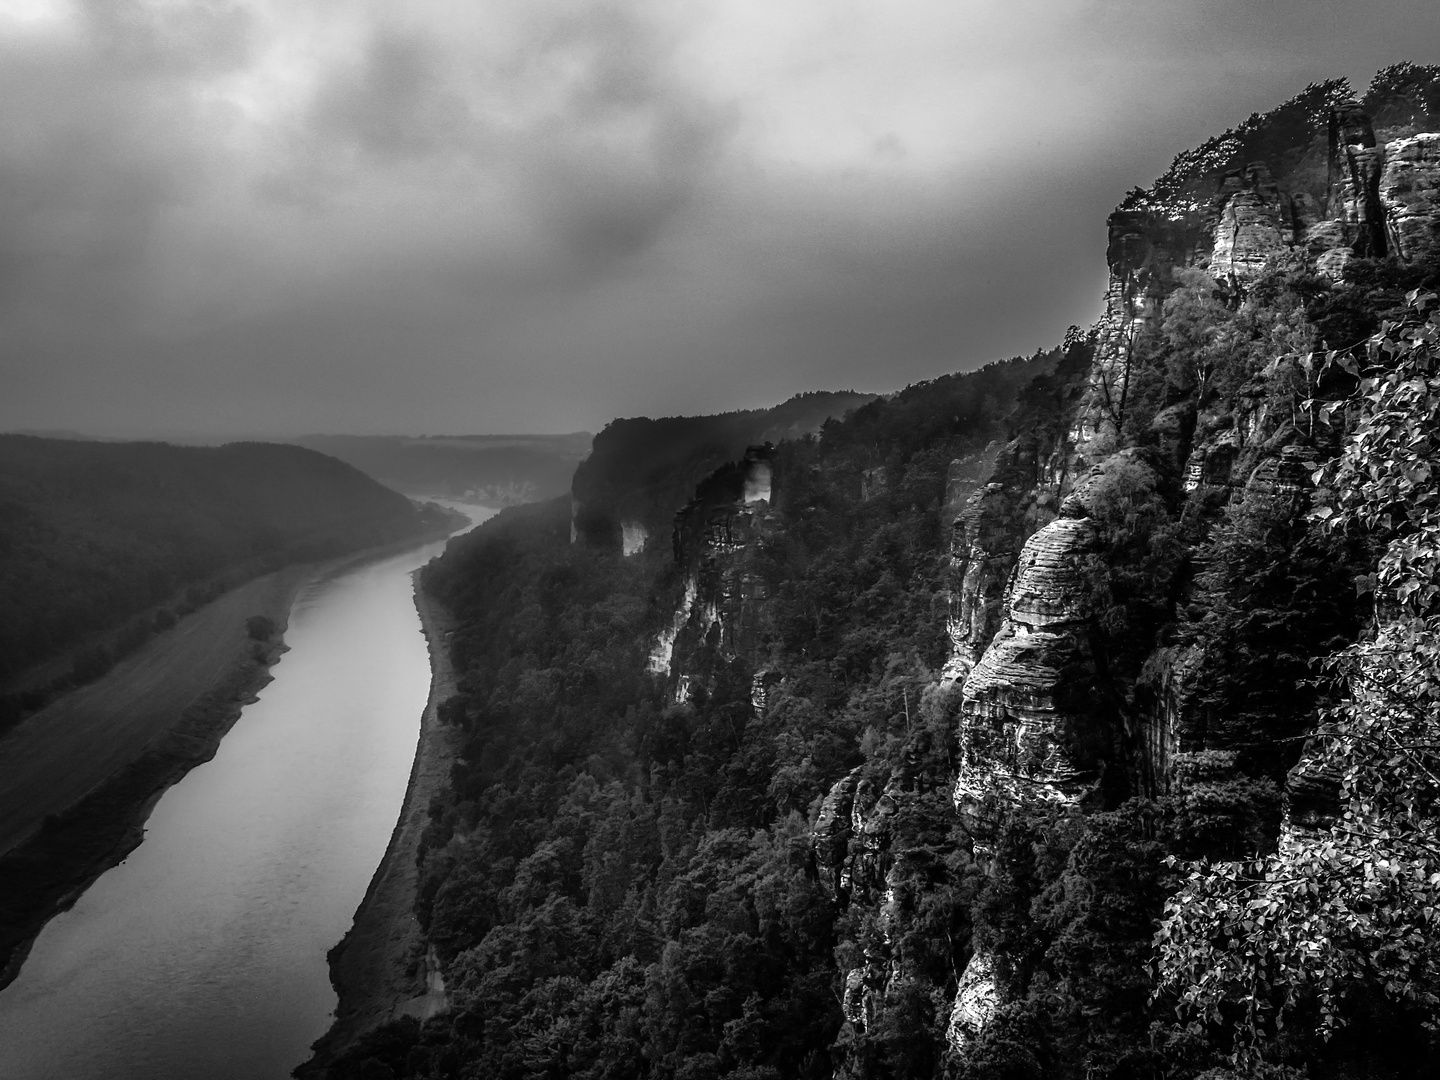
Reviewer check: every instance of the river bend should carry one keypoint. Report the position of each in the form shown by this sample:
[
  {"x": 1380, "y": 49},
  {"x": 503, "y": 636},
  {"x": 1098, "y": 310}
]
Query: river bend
[{"x": 203, "y": 954}]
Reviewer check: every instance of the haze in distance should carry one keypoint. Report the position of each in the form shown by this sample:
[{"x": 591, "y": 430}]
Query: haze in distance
[{"x": 279, "y": 217}]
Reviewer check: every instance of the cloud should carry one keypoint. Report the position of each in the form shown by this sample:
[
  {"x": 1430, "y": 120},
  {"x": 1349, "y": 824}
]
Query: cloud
[{"x": 285, "y": 215}]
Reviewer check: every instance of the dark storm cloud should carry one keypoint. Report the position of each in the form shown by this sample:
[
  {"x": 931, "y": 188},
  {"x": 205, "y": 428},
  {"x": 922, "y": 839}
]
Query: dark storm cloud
[
  {"x": 280, "y": 216},
  {"x": 598, "y": 153}
]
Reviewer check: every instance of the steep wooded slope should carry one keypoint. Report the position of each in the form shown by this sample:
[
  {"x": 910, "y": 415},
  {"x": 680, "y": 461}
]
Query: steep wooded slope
[
  {"x": 93, "y": 534},
  {"x": 641, "y": 470},
  {"x": 880, "y": 772}
]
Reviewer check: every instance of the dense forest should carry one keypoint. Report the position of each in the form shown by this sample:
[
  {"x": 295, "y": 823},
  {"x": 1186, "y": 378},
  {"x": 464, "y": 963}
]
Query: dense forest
[
  {"x": 641, "y": 470},
  {"x": 1075, "y": 717},
  {"x": 104, "y": 544}
]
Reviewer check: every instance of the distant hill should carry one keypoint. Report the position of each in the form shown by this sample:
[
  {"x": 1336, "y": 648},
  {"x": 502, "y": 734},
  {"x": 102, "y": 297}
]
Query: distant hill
[
  {"x": 93, "y": 534},
  {"x": 641, "y": 471},
  {"x": 496, "y": 470}
]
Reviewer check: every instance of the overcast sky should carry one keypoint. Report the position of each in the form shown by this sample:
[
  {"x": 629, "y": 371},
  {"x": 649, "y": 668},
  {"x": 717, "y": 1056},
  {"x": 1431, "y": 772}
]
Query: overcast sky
[{"x": 288, "y": 216}]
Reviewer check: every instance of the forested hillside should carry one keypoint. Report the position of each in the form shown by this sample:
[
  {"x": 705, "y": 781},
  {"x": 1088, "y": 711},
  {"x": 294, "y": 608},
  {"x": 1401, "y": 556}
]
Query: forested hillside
[
  {"x": 641, "y": 470},
  {"x": 1071, "y": 718},
  {"x": 123, "y": 537}
]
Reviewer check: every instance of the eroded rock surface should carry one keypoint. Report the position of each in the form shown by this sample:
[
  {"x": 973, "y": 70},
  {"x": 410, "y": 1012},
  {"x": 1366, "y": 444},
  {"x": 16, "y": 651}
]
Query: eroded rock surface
[
  {"x": 1410, "y": 193},
  {"x": 1139, "y": 261},
  {"x": 976, "y": 1000},
  {"x": 1285, "y": 475},
  {"x": 1256, "y": 223},
  {"x": 633, "y": 535},
  {"x": 712, "y": 624},
  {"x": 981, "y": 558},
  {"x": 1361, "y": 163},
  {"x": 833, "y": 829},
  {"x": 1032, "y": 723}
]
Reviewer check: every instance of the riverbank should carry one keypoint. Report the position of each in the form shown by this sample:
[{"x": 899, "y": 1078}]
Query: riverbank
[
  {"x": 380, "y": 969},
  {"x": 83, "y": 775}
]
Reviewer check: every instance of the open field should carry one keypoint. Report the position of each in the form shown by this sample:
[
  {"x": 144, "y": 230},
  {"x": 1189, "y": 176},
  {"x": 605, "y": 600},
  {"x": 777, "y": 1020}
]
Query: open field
[{"x": 53, "y": 758}]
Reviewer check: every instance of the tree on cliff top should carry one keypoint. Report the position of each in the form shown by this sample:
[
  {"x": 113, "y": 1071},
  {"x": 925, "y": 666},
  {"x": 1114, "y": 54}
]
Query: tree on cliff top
[
  {"x": 1340, "y": 919},
  {"x": 1186, "y": 187},
  {"x": 1404, "y": 93}
]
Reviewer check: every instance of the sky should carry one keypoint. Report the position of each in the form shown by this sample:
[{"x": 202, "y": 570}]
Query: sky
[{"x": 276, "y": 217}]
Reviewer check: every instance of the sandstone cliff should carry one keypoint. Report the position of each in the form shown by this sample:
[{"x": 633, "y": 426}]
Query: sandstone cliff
[
  {"x": 1041, "y": 720},
  {"x": 640, "y": 471},
  {"x": 870, "y": 759}
]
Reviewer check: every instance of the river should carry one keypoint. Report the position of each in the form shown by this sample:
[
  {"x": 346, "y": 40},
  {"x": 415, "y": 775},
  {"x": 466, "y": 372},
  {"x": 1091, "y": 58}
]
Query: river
[{"x": 203, "y": 954}]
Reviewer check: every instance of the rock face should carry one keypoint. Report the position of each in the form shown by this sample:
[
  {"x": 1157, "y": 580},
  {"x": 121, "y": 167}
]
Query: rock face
[
  {"x": 1256, "y": 223},
  {"x": 1284, "y": 476},
  {"x": 832, "y": 832},
  {"x": 1000, "y": 507},
  {"x": 873, "y": 482},
  {"x": 761, "y": 683},
  {"x": 633, "y": 535},
  {"x": 1210, "y": 463},
  {"x": 642, "y": 470},
  {"x": 1410, "y": 193},
  {"x": 1039, "y": 720},
  {"x": 1378, "y": 198},
  {"x": 1033, "y": 724},
  {"x": 1167, "y": 729},
  {"x": 976, "y": 999},
  {"x": 981, "y": 557},
  {"x": 1356, "y": 189},
  {"x": 711, "y": 624},
  {"x": 1139, "y": 253},
  {"x": 662, "y": 652},
  {"x": 964, "y": 477},
  {"x": 759, "y": 477}
]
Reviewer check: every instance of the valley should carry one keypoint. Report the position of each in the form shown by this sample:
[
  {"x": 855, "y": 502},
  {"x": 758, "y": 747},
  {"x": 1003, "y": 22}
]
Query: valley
[{"x": 1072, "y": 714}]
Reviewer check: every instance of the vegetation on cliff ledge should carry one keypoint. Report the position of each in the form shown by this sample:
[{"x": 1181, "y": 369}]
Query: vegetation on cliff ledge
[{"x": 737, "y": 856}]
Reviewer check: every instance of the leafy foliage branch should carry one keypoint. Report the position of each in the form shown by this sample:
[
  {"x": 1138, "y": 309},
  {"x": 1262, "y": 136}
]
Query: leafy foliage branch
[{"x": 1349, "y": 905}]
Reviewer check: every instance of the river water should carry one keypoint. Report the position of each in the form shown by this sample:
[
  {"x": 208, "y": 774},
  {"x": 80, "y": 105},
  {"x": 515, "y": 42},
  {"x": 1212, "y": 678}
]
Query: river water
[{"x": 203, "y": 954}]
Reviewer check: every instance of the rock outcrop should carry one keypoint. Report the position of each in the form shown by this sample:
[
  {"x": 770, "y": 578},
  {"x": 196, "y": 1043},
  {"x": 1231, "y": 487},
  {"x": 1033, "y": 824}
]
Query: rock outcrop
[
  {"x": 833, "y": 830},
  {"x": 761, "y": 684},
  {"x": 641, "y": 471},
  {"x": 1284, "y": 476},
  {"x": 964, "y": 477},
  {"x": 873, "y": 482},
  {"x": 1140, "y": 253},
  {"x": 1042, "y": 719},
  {"x": 1410, "y": 194},
  {"x": 981, "y": 557},
  {"x": 633, "y": 535},
  {"x": 1033, "y": 723},
  {"x": 976, "y": 1000},
  {"x": 1358, "y": 161},
  {"x": 711, "y": 624},
  {"x": 1257, "y": 222}
]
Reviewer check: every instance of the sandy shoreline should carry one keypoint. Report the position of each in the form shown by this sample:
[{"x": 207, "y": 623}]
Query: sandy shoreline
[
  {"x": 379, "y": 969},
  {"x": 53, "y": 866}
]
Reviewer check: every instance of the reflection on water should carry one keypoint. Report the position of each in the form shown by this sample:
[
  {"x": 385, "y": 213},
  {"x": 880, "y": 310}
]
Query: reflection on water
[{"x": 203, "y": 955}]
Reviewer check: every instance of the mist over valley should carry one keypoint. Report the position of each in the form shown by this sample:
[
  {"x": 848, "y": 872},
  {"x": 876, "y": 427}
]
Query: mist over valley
[{"x": 718, "y": 542}]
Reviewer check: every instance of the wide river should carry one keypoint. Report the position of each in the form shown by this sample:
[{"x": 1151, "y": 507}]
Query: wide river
[{"x": 203, "y": 954}]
